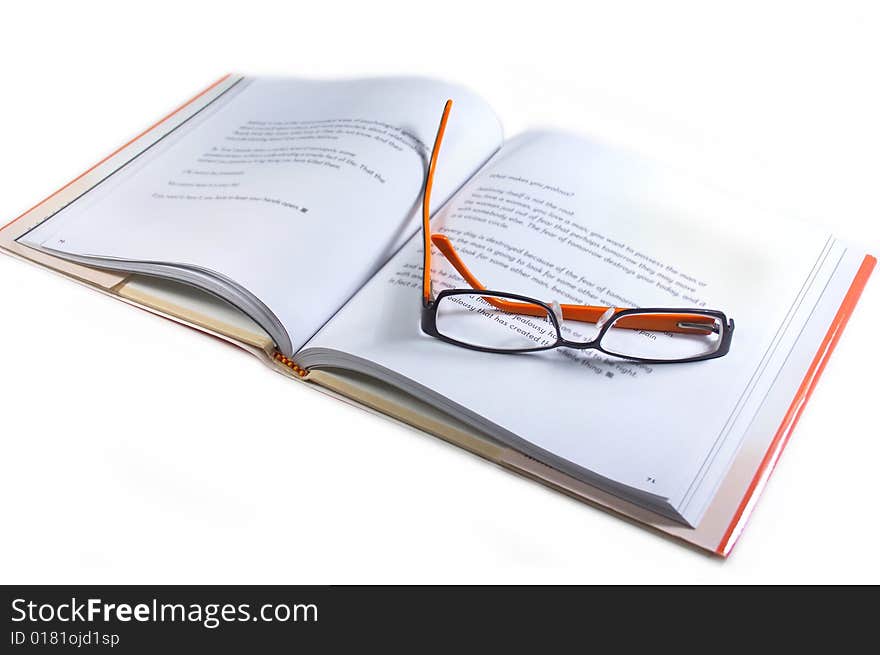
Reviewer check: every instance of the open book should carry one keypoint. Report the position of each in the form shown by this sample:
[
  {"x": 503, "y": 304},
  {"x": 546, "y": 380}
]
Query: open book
[{"x": 283, "y": 215}]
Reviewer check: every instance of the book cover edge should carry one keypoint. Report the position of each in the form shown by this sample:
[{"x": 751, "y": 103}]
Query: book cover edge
[
  {"x": 119, "y": 149},
  {"x": 795, "y": 409}
]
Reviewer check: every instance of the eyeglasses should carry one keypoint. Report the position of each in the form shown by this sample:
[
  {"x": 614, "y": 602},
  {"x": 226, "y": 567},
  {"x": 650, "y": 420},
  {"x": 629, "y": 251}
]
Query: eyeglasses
[{"x": 502, "y": 322}]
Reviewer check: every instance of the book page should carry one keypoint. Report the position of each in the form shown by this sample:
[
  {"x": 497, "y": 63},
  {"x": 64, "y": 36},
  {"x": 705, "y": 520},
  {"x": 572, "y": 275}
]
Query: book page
[
  {"x": 294, "y": 190},
  {"x": 557, "y": 217}
]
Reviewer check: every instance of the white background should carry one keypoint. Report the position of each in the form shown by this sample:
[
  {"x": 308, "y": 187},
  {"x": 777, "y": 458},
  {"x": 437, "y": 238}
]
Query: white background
[{"x": 133, "y": 450}]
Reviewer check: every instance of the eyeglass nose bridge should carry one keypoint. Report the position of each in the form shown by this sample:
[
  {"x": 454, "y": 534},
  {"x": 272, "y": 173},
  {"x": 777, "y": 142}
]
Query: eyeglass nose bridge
[{"x": 578, "y": 345}]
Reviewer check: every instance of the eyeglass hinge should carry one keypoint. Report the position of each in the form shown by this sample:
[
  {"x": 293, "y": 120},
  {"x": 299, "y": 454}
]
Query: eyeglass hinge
[{"x": 699, "y": 326}]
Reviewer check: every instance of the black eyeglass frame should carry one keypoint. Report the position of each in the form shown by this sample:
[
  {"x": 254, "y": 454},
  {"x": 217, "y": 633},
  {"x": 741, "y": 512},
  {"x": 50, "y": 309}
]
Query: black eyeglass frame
[
  {"x": 430, "y": 302},
  {"x": 429, "y": 326}
]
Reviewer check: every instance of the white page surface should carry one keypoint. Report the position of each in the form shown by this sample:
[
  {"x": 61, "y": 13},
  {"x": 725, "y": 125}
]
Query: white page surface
[
  {"x": 560, "y": 218},
  {"x": 295, "y": 190}
]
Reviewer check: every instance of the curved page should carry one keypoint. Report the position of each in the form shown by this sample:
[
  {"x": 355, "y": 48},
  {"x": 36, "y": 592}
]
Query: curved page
[{"x": 295, "y": 191}]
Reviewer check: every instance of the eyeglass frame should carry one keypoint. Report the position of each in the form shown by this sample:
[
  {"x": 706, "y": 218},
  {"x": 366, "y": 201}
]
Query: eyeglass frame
[{"x": 430, "y": 303}]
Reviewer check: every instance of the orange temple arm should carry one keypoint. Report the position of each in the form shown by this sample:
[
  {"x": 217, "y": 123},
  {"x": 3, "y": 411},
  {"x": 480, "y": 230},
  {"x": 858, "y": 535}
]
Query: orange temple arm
[
  {"x": 584, "y": 313},
  {"x": 667, "y": 322},
  {"x": 426, "y": 203}
]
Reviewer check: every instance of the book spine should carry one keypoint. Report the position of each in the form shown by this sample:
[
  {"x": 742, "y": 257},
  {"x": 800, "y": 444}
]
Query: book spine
[{"x": 289, "y": 363}]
